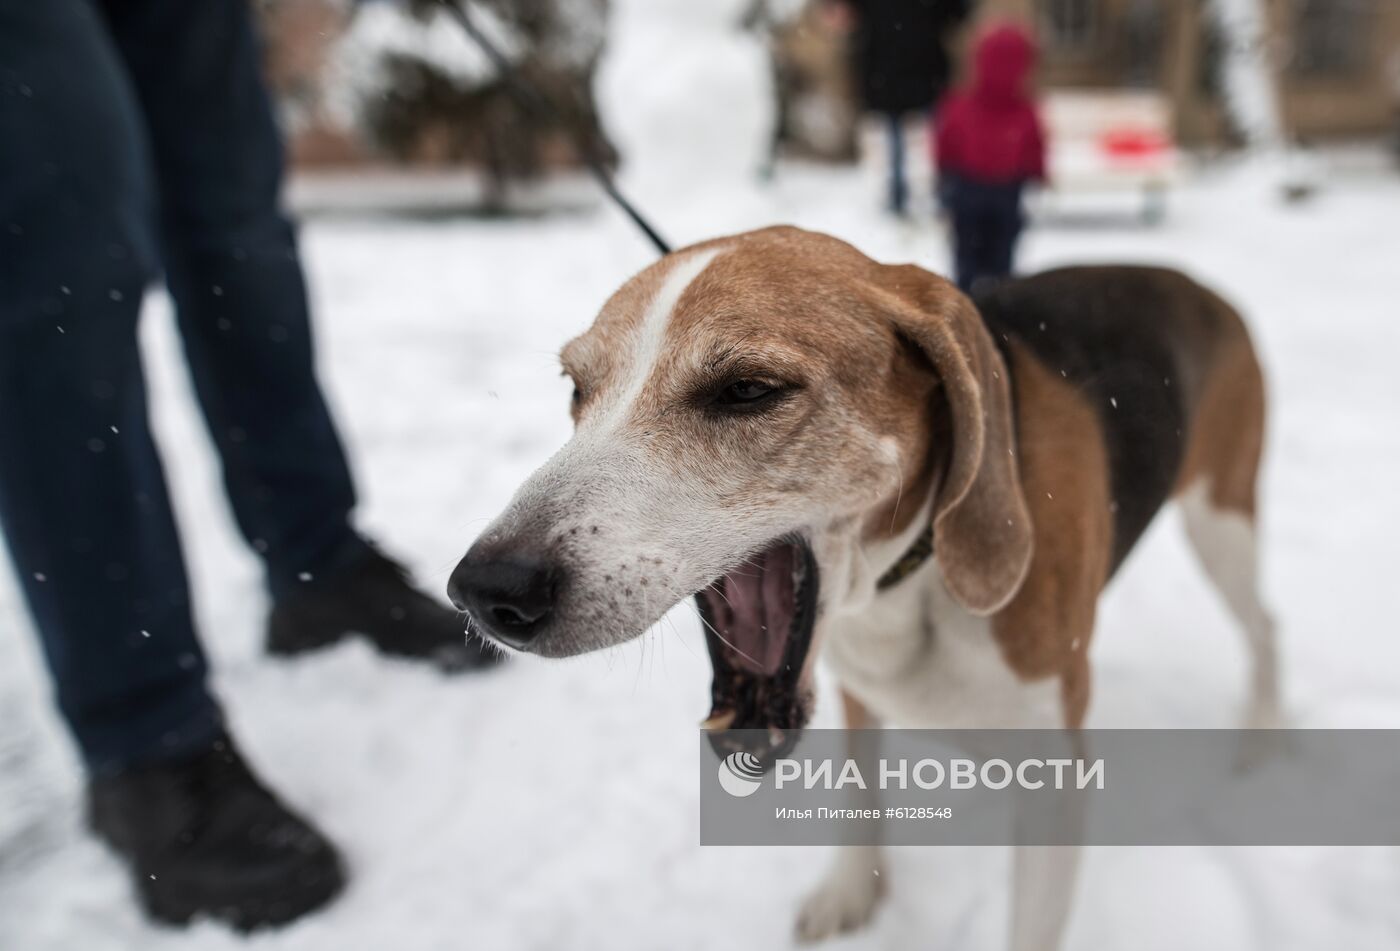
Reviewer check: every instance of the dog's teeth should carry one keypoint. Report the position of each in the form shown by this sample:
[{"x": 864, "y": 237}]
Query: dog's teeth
[{"x": 719, "y": 721}]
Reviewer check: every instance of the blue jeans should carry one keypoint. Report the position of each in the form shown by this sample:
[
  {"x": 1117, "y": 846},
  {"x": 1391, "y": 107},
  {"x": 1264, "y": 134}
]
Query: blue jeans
[
  {"x": 137, "y": 140},
  {"x": 899, "y": 180},
  {"x": 987, "y": 221}
]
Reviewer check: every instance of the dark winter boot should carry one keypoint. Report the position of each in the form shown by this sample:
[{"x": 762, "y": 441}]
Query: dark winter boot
[
  {"x": 373, "y": 597},
  {"x": 203, "y": 837}
]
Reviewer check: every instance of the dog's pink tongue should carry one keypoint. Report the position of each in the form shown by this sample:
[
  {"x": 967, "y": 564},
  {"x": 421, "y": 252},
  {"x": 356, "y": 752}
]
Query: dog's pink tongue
[{"x": 761, "y": 599}]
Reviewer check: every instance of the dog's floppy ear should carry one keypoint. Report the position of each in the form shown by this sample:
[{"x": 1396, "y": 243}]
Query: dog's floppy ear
[{"x": 983, "y": 537}]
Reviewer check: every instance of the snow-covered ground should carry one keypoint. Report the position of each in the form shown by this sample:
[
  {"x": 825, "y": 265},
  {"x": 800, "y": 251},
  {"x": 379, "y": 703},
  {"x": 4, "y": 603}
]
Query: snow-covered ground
[{"x": 553, "y": 805}]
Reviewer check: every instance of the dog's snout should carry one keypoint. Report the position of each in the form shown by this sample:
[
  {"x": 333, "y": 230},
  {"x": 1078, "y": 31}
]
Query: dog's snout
[{"x": 509, "y": 595}]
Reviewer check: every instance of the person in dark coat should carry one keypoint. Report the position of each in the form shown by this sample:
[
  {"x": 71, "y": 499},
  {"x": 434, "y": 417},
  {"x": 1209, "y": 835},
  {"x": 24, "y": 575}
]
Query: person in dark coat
[
  {"x": 988, "y": 144},
  {"x": 137, "y": 142},
  {"x": 902, "y": 63}
]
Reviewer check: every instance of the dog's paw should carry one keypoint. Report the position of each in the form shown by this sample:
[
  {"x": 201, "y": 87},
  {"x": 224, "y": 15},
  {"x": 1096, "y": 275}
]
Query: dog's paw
[{"x": 844, "y": 901}]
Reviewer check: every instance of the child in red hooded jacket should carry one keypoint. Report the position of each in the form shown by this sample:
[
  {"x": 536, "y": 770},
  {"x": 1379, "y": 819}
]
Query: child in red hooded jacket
[{"x": 988, "y": 143}]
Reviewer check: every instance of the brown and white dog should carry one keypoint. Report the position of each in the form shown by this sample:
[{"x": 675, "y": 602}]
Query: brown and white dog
[{"x": 836, "y": 454}]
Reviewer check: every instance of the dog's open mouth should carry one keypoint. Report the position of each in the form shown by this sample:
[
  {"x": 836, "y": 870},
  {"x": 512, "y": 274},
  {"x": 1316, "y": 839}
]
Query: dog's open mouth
[{"x": 758, "y": 622}]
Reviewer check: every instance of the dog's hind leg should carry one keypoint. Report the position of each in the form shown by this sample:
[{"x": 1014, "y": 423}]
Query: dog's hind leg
[
  {"x": 854, "y": 885},
  {"x": 1224, "y": 541},
  {"x": 1217, "y": 496}
]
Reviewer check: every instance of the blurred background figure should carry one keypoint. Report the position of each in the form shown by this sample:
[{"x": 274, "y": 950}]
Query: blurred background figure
[
  {"x": 139, "y": 141},
  {"x": 903, "y": 65},
  {"x": 988, "y": 145},
  {"x": 817, "y": 113}
]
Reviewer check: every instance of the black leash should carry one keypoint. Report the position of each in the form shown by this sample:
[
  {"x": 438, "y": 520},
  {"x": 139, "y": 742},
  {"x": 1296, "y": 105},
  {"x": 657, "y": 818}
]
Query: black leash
[{"x": 532, "y": 100}]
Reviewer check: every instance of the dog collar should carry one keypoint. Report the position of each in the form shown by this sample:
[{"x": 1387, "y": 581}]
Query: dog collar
[{"x": 909, "y": 562}]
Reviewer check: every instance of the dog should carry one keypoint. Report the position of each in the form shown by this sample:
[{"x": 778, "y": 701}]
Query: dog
[{"x": 852, "y": 459}]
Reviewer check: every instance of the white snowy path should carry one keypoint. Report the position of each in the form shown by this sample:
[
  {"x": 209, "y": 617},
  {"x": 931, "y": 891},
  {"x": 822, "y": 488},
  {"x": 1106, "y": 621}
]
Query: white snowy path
[{"x": 552, "y": 805}]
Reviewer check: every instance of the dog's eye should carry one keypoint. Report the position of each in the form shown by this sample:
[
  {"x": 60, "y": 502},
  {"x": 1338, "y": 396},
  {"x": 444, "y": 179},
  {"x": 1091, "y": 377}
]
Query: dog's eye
[
  {"x": 576, "y": 397},
  {"x": 748, "y": 397},
  {"x": 745, "y": 394}
]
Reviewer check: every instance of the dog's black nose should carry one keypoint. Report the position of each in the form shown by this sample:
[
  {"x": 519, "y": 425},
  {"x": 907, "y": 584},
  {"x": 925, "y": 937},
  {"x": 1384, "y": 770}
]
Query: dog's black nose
[{"x": 510, "y": 596}]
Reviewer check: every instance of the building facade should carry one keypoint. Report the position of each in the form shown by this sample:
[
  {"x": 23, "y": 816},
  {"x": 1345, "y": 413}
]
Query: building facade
[{"x": 1335, "y": 64}]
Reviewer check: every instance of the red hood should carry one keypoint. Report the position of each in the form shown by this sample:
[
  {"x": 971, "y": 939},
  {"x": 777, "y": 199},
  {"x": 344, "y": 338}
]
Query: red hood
[{"x": 1002, "y": 64}]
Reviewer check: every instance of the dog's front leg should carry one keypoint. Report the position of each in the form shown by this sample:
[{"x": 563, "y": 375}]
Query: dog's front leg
[
  {"x": 849, "y": 894},
  {"x": 1042, "y": 889},
  {"x": 1043, "y": 876}
]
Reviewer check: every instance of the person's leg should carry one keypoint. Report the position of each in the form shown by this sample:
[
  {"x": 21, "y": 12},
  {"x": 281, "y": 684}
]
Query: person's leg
[
  {"x": 899, "y": 185},
  {"x": 969, "y": 233},
  {"x": 232, "y": 266},
  {"x": 233, "y": 269},
  {"x": 987, "y": 234},
  {"x": 82, "y": 497},
  {"x": 83, "y": 500},
  {"x": 1010, "y": 219}
]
